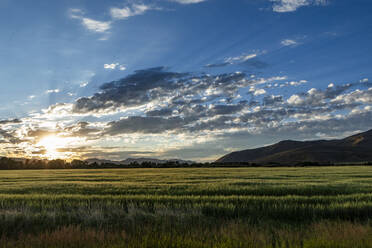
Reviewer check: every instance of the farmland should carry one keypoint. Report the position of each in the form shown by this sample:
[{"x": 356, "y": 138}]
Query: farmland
[{"x": 187, "y": 207}]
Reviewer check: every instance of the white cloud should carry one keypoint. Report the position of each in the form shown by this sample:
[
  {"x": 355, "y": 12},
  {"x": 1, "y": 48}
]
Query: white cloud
[
  {"x": 295, "y": 100},
  {"x": 76, "y": 13},
  {"x": 288, "y": 5},
  {"x": 188, "y": 1},
  {"x": 277, "y": 78},
  {"x": 88, "y": 23},
  {"x": 259, "y": 92},
  {"x": 241, "y": 58},
  {"x": 83, "y": 84},
  {"x": 135, "y": 9},
  {"x": 96, "y": 26},
  {"x": 52, "y": 91},
  {"x": 293, "y": 5},
  {"x": 114, "y": 66},
  {"x": 365, "y": 80},
  {"x": 31, "y": 97},
  {"x": 288, "y": 42},
  {"x": 110, "y": 66}
]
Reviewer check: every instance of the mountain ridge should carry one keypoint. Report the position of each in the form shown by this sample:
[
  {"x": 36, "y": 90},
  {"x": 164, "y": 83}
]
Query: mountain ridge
[{"x": 355, "y": 148}]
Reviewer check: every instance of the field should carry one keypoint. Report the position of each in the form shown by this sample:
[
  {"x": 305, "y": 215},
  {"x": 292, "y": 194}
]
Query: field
[{"x": 194, "y": 207}]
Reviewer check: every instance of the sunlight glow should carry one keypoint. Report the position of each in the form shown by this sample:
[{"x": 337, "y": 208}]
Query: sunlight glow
[{"x": 51, "y": 144}]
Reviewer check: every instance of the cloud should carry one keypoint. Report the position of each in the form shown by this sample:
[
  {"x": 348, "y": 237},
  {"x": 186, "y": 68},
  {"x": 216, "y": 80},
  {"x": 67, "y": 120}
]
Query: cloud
[
  {"x": 110, "y": 66},
  {"x": 241, "y": 58},
  {"x": 12, "y": 121},
  {"x": 114, "y": 66},
  {"x": 272, "y": 100},
  {"x": 188, "y": 1},
  {"x": 249, "y": 60},
  {"x": 90, "y": 24},
  {"x": 217, "y": 65},
  {"x": 288, "y": 42},
  {"x": 52, "y": 91},
  {"x": 83, "y": 84},
  {"x": 292, "y": 5},
  {"x": 255, "y": 63},
  {"x": 96, "y": 26},
  {"x": 139, "y": 124},
  {"x": 160, "y": 110},
  {"x": 258, "y": 92},
  {"x": 126, "y": 12}
]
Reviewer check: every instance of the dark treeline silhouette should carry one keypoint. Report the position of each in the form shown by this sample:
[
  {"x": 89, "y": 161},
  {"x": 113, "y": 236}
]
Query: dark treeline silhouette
[{"x": 14, "y": 164}]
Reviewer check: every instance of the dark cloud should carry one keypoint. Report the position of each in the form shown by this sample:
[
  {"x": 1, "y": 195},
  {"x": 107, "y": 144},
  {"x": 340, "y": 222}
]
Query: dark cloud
[
  {"x": 160, "y": 112},
  {"x": 157, "y": 84},
  {"x": 139, "y": 124},
  {"x": 13, "y": 121},
  {"x": 139, "y": 88},
  {"x": 272, "y": 100},
  {"x": 81, "y": 129},
  {"x": 10, "y": 137},
  {"x": 226, "y": 109}
]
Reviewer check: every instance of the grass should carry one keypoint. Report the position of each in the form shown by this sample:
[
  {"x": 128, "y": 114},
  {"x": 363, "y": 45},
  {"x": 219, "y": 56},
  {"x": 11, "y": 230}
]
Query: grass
[{"x": 187, "y": 207}]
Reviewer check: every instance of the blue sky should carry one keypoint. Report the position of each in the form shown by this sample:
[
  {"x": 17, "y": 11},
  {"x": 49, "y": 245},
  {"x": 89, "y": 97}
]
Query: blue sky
[{"x": 193, "y": 79}]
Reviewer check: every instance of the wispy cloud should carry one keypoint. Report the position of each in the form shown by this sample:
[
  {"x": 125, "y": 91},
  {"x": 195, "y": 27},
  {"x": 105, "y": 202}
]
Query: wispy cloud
[
  {"x": 288, "y": 42},
  {"x": 96, "y": 26},
  {"x": 241, "y": 58},
  {"x": 90, "y": 24},
  {"x": 52, "y": 91},
  {"x": 188, "y": 1},
  {"x": 293, "y": 5},
  {"x": 126, "y": 12}
]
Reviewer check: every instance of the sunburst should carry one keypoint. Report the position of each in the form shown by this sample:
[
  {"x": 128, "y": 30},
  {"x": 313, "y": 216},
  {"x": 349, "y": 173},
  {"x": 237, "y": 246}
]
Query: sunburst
[{"x": 51, "y": 144}]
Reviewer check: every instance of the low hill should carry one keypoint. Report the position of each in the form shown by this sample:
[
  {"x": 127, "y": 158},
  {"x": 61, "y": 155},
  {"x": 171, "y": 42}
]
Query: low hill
[{"x": 356, "y": 148}]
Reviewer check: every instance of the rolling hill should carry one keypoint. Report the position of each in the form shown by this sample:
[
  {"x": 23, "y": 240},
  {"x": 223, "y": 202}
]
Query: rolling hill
[{"x": 356, "y": 148}]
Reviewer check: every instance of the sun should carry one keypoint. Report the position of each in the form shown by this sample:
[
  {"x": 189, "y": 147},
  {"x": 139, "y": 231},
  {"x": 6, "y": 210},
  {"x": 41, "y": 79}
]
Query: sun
[{"x": 51, "y": 144}]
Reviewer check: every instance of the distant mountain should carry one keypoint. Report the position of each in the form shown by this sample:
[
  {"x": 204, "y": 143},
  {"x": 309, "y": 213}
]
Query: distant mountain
[
  {"x": 356, "y": 148},
  {"x": 101, "y": 161},
  {"x": 138, "y": 161}
]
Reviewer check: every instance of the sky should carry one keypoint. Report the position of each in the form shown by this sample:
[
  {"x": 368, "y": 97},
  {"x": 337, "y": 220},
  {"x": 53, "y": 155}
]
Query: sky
[{"x": 187, "y": 79}]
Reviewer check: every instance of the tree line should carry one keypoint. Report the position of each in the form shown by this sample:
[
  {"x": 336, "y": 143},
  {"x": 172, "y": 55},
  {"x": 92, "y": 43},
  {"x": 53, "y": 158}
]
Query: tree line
[{"x": 13, "y": 164}]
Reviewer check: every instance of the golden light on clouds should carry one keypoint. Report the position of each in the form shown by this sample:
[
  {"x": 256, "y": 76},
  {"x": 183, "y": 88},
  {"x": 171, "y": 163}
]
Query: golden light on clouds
[{"x": 53, "y": 143}]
